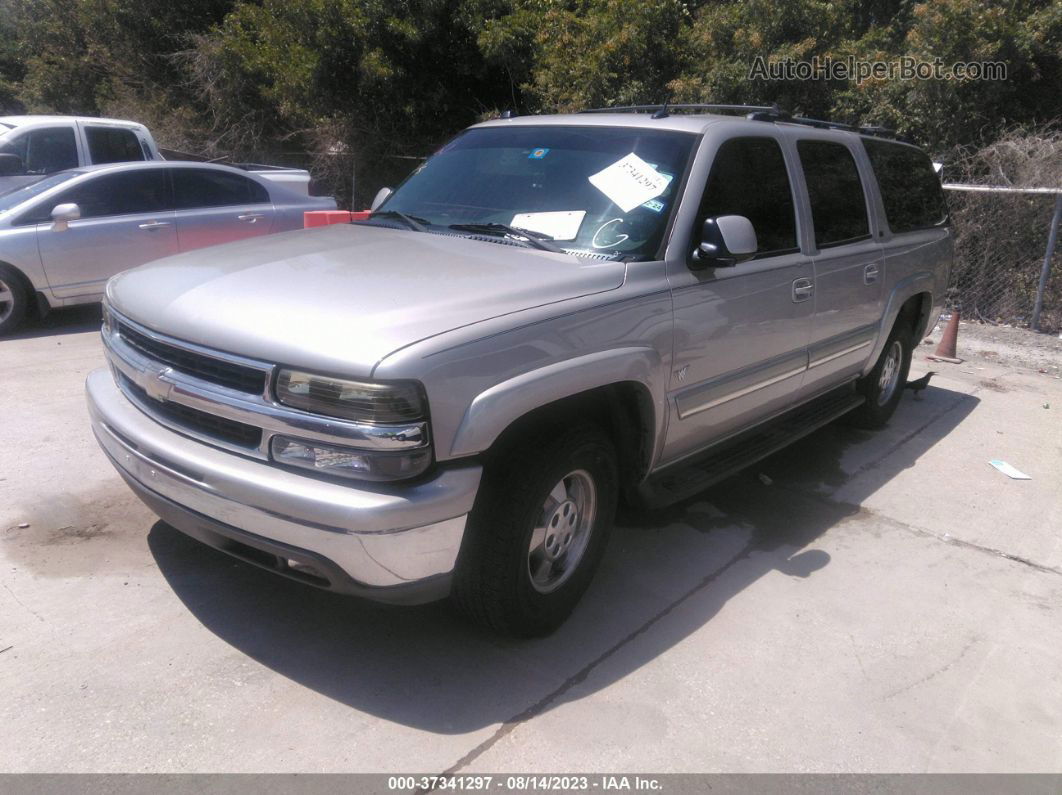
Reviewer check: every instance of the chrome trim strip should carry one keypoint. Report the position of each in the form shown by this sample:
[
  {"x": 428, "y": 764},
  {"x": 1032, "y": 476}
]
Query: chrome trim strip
[
  {"x": 164, "y": 383},
  {"x": 738, "y": 383},
  {"x": 711, "y": 404},
  {"x": 840, "y": 353}
]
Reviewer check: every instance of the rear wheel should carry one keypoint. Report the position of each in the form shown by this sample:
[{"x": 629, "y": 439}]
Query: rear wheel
[
  {"x": 537, "y": 532},
  {"x": 14, "y": 300},
  {"x": 883, "y": 386}
]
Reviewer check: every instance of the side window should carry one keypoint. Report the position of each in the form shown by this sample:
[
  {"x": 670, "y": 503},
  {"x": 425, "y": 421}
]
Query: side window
[
  {"x": 138, "y": 192},
  {"x": 910, "y": 188},
  {"x": 112, "y": 145},
  {"x": 749, "y": 178},
  {"x": 45, "y": 151},
  {"x": 835, "y": 192},
  {"x": 200, "y": 187}
]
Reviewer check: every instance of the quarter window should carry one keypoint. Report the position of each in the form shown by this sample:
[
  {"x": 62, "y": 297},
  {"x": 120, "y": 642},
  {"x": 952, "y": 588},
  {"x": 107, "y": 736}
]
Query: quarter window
[
  {"x": 910, "y": 188},
  {"x": 199, "y": 187},
  {"x": 749, "y": 178},
  {"x": 835, "y": 192},
  {"x": 112, "y": 145}
]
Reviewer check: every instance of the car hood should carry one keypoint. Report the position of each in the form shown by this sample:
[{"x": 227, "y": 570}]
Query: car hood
[{"x": 343, "y": 297}]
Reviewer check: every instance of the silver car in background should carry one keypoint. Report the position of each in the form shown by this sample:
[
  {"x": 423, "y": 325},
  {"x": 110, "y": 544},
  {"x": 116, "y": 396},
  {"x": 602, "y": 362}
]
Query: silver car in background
[{"x": 63, "y": 236}]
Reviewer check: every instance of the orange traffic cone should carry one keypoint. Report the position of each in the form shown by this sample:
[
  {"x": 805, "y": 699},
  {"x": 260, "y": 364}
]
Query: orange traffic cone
[{"x": 945, "y": 352}]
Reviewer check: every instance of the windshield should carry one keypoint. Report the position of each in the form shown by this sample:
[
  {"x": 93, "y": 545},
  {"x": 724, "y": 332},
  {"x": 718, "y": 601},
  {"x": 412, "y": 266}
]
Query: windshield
[
  {"x": 17, "y": 196},
  {"x": 593, "y": 190}
]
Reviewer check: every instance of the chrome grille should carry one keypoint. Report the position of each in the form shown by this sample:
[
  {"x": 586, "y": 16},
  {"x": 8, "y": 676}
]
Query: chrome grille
[
  {"x": 216, "y": 371},
  {"x": 224, "y": 399},
  {"x": 211, "y": 425}
]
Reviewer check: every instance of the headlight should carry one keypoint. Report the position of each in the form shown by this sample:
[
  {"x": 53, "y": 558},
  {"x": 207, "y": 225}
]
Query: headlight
[
  {"x": 108, "y": 319},
  {"x": 348, "y": 462},
  {"x": 350, "y": 400}
]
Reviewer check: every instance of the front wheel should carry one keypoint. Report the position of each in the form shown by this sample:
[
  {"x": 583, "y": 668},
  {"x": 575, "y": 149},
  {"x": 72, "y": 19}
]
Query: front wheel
[
  {"x": 13, "y": 300},
  {"x": 883, "y": 386},
  {"x": 537, "y": 532}
]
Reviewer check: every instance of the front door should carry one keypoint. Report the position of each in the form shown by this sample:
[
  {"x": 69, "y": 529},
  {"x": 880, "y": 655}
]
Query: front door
[
  {"x": 741, "y": 333},
  {"x": 126, "y": 220}
]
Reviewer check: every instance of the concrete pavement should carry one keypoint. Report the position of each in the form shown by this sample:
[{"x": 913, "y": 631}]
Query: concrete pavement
[{"x": 889, "y": 603}]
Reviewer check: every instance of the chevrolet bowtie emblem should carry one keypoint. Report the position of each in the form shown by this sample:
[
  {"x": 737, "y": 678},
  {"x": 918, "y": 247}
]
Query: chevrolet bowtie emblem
[{"x": 157, "y": 385}]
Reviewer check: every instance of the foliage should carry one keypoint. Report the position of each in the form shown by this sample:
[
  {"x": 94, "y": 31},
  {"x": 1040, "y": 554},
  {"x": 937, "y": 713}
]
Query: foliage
[{"x": 346, "y": 85}]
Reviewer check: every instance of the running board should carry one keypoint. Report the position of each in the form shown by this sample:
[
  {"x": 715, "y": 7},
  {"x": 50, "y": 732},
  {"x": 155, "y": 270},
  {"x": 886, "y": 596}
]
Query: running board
[{"x": 719, "y": 462}]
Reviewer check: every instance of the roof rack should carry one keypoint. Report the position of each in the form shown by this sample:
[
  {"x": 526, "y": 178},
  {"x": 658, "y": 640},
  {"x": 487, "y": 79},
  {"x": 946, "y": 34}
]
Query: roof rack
[
  {"x": 667, "y": 108},
  {"x": 771, "y": 113}
]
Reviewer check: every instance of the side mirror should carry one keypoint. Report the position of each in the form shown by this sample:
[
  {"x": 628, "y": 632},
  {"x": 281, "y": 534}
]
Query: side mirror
[
  {"x": 63, "y": 214},
  {"x": 726, "y": 240},
  {"x": 382, "y": 195},
  {"x": 11, "y": 166}
]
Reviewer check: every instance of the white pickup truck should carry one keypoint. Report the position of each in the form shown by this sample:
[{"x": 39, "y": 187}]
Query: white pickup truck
[{"x": 33, "y": 146}]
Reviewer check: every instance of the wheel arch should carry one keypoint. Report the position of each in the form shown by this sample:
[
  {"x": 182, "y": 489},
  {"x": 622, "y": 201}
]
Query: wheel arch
[
  {"x": 912, "y": 300},
  {"x": 615, "y": 389}
]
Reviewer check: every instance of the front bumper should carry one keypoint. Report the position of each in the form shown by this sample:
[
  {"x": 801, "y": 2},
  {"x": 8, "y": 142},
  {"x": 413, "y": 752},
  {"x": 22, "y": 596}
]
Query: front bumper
[{"x": 394, "y": 543}]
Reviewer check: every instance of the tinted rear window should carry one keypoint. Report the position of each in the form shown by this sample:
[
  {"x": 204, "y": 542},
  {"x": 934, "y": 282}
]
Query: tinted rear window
[
  {"x": 200, "y": 187},
  {"x": 910, "y": 188},
  {"x": 835, "y": 192}
]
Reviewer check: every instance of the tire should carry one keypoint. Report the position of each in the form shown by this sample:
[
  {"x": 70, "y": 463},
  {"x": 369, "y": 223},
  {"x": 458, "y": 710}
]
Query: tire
[
  {"x": 883, "y": 386},
  {"x": 14, "y": 299},
  {"x": 540, "y": 507}
]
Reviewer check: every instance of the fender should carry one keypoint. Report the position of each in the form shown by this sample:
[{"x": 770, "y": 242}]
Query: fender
[
  {"x": 496, "y": 408},
  {"x": 920, "y": 282}
]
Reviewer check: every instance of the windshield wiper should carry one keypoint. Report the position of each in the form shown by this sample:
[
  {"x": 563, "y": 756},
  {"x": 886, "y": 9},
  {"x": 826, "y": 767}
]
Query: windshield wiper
[
  {"x": 414, "y": 222},
  {"x": 534, "y": 239}
]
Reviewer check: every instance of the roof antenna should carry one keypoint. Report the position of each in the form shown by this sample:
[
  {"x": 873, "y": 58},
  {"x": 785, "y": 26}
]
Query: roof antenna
[
  {"x": 508, "y": 113},
  {"x": 662, "y": 113}
]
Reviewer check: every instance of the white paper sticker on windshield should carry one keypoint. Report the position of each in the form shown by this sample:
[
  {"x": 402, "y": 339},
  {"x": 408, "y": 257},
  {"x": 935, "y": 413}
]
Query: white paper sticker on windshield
[
  {"x": 629, "y": 182},
  {"x": 561, "y": 225}
]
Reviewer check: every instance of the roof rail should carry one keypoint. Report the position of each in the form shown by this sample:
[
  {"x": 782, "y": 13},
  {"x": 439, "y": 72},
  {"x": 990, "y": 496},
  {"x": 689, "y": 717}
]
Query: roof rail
[
  {"x": 771, "y": 113},
  {"x": 667, "y": 108}
]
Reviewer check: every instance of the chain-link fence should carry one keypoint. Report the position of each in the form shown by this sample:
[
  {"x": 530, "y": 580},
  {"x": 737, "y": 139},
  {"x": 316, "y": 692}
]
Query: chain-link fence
[{"x": 1001, "y": 237}]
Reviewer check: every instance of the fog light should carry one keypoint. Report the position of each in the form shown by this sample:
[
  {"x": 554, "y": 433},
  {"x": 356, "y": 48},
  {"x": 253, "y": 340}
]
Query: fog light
[{"x": 349, "y": 462}]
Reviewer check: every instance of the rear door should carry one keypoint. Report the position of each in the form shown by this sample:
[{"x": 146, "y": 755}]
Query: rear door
[
  {"x": 849, "y": 267},
  {"x": 217, "y": 206},
  {"x": 741, "y": 333},
  {"x": 127, "y": 219}
]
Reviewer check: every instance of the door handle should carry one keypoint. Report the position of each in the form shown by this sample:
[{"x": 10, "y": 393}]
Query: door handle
[
  {"x": 250, "y": 217},
  {"x": 870, "y": 274},
  {"x": 802, "y": 290},
  {"x": 154, "y": 225}
]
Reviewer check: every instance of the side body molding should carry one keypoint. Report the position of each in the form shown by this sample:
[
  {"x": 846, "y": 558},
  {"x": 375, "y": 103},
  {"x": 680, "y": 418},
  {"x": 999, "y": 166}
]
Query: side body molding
[
  {"x": 494, "y": 409},
  {"x": 921, "y": 282}
]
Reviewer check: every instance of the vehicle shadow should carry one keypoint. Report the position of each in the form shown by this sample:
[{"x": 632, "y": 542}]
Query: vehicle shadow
[
  {"x": 75, "y": 320},
  {"x": 664, "y": 577}
]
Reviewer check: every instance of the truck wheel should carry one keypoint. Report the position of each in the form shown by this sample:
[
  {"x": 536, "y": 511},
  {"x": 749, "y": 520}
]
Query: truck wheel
[
  {"x": 883, "y": 386},
  {"x": 537, "y": 532},
  {"x": 13, "y": 300}
]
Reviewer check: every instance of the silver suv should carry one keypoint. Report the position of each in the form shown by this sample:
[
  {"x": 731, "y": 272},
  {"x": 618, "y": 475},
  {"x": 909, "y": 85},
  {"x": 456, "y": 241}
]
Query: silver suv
[{"x": 551, "y": 315}]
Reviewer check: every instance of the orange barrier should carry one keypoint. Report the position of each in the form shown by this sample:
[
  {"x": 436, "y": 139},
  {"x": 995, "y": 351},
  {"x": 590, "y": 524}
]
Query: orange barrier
[{"x": 325, "y": 217}]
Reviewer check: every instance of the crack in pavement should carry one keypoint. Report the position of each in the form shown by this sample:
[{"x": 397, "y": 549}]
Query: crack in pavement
[{"x": 539, "y": 706}]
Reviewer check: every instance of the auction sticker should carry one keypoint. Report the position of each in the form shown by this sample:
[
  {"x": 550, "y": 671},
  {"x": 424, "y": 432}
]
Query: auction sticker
[{"x": 629, "y": 182}]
